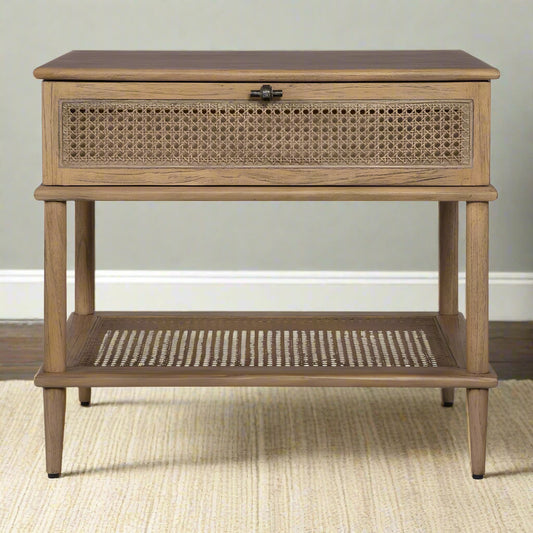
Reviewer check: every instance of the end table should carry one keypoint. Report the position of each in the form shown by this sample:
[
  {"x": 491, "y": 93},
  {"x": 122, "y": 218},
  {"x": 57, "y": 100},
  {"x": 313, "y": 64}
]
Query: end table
[{"x": 226, "y": 126}]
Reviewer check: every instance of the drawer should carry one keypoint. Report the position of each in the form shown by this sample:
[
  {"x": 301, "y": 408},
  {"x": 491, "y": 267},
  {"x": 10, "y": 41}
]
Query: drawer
[{"x": 181, "y": 133}]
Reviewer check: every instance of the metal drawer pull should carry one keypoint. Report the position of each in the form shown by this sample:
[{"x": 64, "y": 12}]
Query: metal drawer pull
[{"x": 266, "y": 93}]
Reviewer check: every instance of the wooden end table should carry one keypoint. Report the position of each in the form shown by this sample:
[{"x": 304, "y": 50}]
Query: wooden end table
[{"x": 226, "y": 126}]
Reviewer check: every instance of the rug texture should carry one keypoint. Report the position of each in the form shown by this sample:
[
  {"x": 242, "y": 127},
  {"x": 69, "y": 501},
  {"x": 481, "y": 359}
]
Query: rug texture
[{"x": 266, "y": 460}]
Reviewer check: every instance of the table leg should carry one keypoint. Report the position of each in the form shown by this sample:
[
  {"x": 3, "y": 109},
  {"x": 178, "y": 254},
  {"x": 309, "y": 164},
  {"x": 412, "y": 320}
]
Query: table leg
[
  {"x": 448, "y": 271},
  {"x": 55, "y": 318},
  {"x": 477, "y": 338},
  {"x": 54, "y": 426},
  {"x": 84, "y": 270}
]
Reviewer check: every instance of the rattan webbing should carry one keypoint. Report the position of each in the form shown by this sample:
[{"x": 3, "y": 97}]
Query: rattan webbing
[
  {"x": 207, "y": 133},
  {"x": 266, "y": 342}
]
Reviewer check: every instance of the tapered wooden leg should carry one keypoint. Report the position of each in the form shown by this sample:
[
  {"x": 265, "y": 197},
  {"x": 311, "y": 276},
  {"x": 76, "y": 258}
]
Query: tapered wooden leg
[
  {"x": 448, "y": 271},
  {"x": 84, "y": 270},
  {"x": 447, "y": 396},
  {"x": 54, "y": 423},
  {"x": 477, "y": 337},
  {"x": 84, "y": 394},
  {"x": 55, "y": 317},
  {"x": 477, "y": 402}
]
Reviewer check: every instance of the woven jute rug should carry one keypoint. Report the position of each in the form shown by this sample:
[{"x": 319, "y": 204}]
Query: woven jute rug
[{"x": 266, "y": 460}]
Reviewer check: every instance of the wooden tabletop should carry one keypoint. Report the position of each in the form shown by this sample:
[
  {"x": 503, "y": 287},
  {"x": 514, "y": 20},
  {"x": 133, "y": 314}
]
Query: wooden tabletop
[{"x": 267, "y": 66}]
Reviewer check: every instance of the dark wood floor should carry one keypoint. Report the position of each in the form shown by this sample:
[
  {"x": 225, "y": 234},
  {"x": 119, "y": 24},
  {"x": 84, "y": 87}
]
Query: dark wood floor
[{"x": 511, "y": 349}]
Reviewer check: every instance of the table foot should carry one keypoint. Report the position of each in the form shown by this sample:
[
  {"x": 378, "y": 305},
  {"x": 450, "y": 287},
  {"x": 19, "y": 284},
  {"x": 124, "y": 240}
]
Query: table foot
[{"x": 447, "y": 396}]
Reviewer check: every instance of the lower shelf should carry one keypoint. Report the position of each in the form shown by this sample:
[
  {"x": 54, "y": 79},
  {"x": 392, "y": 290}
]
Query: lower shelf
[{"x": 265, "y": 349}]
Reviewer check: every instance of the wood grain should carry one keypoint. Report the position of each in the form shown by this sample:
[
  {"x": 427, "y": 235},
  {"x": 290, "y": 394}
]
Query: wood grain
[
  {"x": 477, "y": 411},
  {"x": 448, "y": 258},
  {"x": 477, "y": 286},
  {"x": 477, "y": 334},
  {"x": 21, "y": 348},
  {"x": 296, "y": 91},
  {"x": 264, "y": 177},
  {"x": 49, "y": 130},
  {"x": 55, "y": 335},
  {"x": 158, "y": 193},
  {"x": 312, "y": 65},
  {"x": 84, "y": 269},
  {"x": 454, "y": 329},
  {"x": 55, "y": 174},
  {"x": 481, "y": 133},
  {"x": 55, "y": 286},
  {"x": 448, "y": 271},
  {"x": 84, "y": 257},
  {"x": 54, "y": 427},
  {"x": 264, "y": 377},
  {"x": 511, "y": 342}
]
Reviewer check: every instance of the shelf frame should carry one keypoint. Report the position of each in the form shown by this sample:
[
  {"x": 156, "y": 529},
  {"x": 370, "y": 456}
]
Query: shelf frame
[
  {"x": 109, "y": 193},
  {"x": 80, "y": 327}
]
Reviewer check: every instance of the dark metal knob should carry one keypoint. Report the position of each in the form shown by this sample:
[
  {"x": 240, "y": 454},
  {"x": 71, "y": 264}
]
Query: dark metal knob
[{"x": 267, "y": 93}]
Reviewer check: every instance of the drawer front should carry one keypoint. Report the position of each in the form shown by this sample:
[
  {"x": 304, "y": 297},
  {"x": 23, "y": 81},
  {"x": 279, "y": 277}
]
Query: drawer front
[
  {"x": 215, "y": 134},
  {"x": 178, "y": 133}
]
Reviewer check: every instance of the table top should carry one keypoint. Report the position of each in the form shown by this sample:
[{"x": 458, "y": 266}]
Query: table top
[{"x": 265, "y": 66}]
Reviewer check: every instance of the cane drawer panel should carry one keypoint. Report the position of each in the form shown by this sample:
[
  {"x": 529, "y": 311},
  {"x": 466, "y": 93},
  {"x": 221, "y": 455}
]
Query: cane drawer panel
[
  {"x": 181, "y": 133},
  {"x": 215, "y": 134}
]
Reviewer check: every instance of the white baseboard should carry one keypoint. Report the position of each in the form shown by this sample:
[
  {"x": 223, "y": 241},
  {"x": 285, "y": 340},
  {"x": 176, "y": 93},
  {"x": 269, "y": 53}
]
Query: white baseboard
[{"x": 21, "y": 292}]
